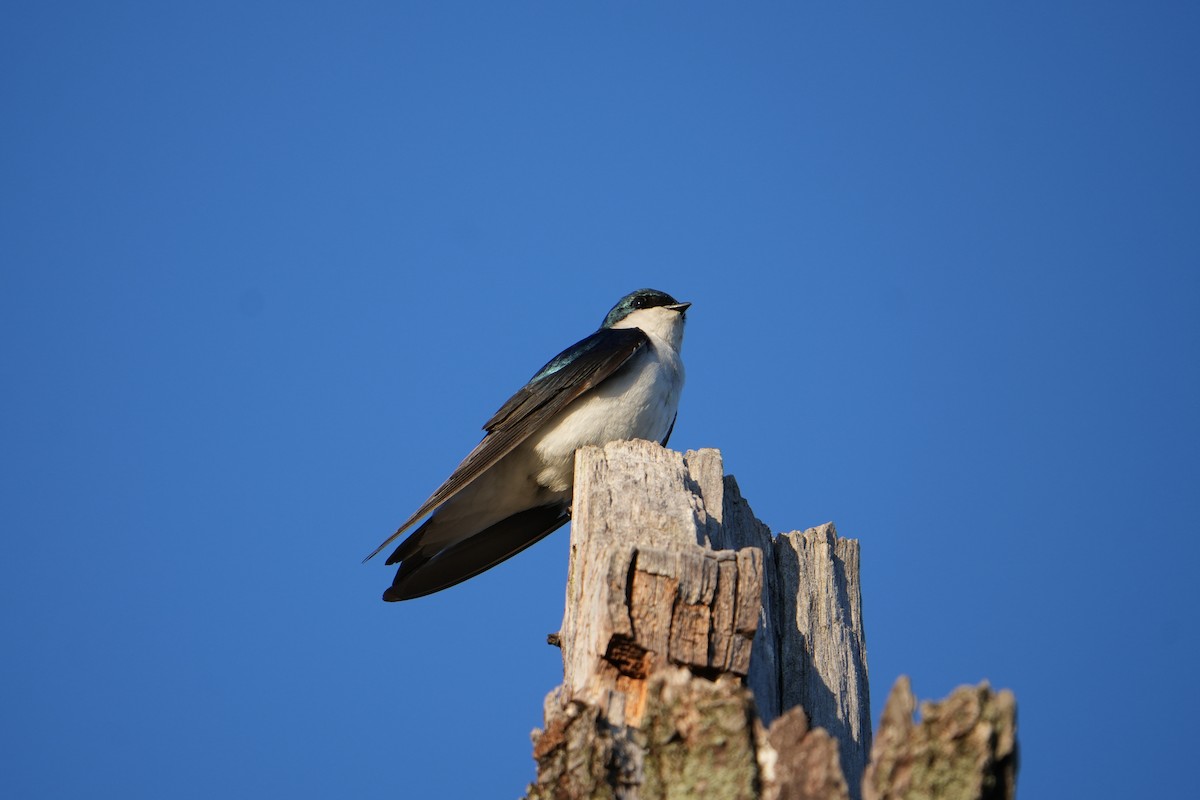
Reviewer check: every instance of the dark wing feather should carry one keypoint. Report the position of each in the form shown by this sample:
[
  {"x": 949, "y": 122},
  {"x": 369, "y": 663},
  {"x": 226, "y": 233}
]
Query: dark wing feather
[
  {"x": 670, "y": 430},
  {"x": 466, "y": 559},
  {"x": 572, "y": 372}
]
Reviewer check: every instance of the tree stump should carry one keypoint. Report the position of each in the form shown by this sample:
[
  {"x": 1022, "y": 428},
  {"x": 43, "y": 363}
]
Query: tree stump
[{"x": 702, "y": 656}]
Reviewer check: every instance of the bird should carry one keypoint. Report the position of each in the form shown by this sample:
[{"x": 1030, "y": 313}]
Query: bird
[{"x": 515, "y": 488}]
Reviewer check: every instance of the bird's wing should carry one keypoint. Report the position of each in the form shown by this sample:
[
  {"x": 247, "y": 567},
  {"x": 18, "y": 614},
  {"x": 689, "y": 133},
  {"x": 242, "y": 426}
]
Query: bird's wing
[
  {"x": 572, "y": 372},
  {"x": 670, "y": 430},
  {"x": 421, "y": 575}
]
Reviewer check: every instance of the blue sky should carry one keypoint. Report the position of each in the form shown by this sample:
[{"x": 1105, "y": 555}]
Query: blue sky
[{"x": 266, "y": 268}]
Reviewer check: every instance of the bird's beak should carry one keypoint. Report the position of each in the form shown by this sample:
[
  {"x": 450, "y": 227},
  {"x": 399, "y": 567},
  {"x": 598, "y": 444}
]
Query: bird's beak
[{"x": 680, "y": 307}]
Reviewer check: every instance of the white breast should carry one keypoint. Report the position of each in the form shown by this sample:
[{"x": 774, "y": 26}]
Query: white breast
[{"x": 639, "y": 402}]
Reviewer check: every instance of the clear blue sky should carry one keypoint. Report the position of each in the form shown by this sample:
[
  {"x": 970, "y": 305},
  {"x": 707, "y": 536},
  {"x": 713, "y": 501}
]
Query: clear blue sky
[{"x": 266, "y": 268}]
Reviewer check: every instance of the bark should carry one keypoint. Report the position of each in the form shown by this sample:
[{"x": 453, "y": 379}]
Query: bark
[
  {"x": 704, "y": 657},
  {"x": 963, "y": 748}
]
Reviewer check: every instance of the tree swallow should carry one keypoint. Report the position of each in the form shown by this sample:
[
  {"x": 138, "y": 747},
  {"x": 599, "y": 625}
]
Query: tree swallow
[{"x": 514, "y": 488}]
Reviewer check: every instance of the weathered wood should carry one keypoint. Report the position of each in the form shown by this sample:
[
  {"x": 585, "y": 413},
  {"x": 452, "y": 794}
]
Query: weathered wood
[
  {"x": 697, "y": 739},
  {"x": 823, "y": 648},
  {"x": 810, "y": 648},
  {"x": 647, "y": 591},
  {"x": 642, "y": 592},
  {"x": 803, "y": 763},
  {"x": 688, "y": 626},
  {"x": 964, "y": 748}
]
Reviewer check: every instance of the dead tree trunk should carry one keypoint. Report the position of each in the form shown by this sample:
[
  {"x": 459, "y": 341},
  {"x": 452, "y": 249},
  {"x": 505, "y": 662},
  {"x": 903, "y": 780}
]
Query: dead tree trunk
[{"x": 689, "y": 628}]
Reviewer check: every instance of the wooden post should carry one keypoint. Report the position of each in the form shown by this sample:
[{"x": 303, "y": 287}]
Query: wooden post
[{"x": 688, "y": 630}]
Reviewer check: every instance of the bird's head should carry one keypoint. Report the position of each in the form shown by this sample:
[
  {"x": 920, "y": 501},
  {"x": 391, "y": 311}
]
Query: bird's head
[{"x": 656, "y": 313}]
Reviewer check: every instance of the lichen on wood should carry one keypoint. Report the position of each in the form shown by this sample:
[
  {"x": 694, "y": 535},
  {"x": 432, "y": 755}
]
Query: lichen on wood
[
  {"x": 963, "y": 748},
  {"x": 699, "y": 738}
]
